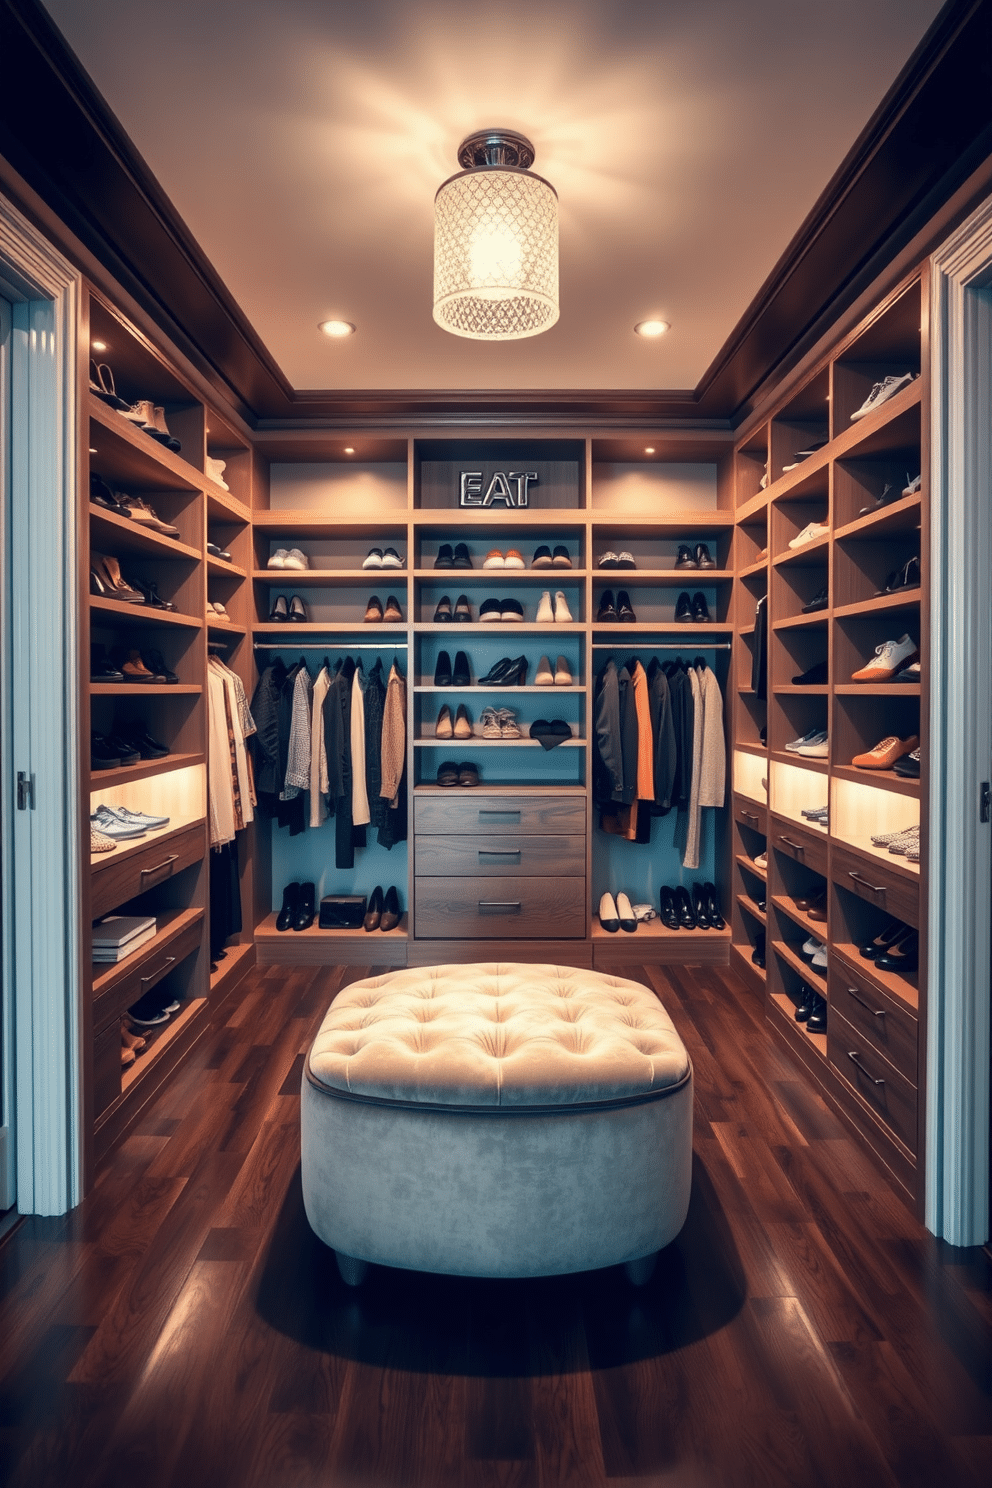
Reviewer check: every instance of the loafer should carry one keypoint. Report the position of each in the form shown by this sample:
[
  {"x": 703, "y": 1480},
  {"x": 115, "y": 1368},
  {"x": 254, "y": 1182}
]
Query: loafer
[
  {"x": 391, "y": 559},
  {"x": 462, "y": 557},
  {"x": 683, "y": 608},
  {"x": 463, "y": 612},
  {"x": 140, "y": 739},
  {"x": 885, "y": 753},
  {"x": 102, "y": 756},
  {"x": 280, "y": 608},
  {"x": 542, "y": 558},
  {"x": 445, "y": 557},
  {"x": 700, "y": 613},
  {"x": 514, "y": 559},
  {"x": 685, "y": 558},
  {"x": 625, "y": 612},
  {"x": 373, "y": 610},
  {"x": 625, "y": 560},
  {"x": 494, "y": 559},
  {"x": 703, "y": 557},
  {"x": 374, "y": 559},
  {"x": 814, "y": 676},
  {"x": 560, "y": 557},
  {"x": 373, "y": 914},
  {"x": 909, "y": 766},
  {"x": 609, "y": 560},
  {"x": 442, "y": 672},
  {"x": 392, "y": 914},
  {"x": 490, "y": 611},
  {"x": 468, "y": 773},
  {"x": 447, "y": 773},
  {"x": 461, "y": 675},
  {"x": 298, "y": 611},
  {"x": 442, "y": 615},
  {"x": 609, "y": 919},
  {"x": 512, "y": 610},
  {"x": 607, "y": 613},
  {"x": 393, "y": 614}
]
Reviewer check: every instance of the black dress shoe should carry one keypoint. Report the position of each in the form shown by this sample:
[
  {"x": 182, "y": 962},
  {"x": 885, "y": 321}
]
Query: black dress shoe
[
  {"x": 877, "y": 947},
  {"x": 683, "y": 608},
  {"x": 713, "y": 907},
  {"x": 104, "y": 670},
  {"x": 290, "y": 904},
  {"x": 442, "y": 615},
  {"x": 508, "y": 672},
  {"x": 155, "y": 662},
  {"x": 124, "y": 749},
  {"x": 703, "y": 559},
  {"x": 909, "y": 766},
  {"x": 297, "y": 610},
  {"x": 280, "y": 608},
  {"x": 699, "y": 907},
  {"x": 700, "y": 614},
  {"x": 140, "y": 739},
  {"x": 758, "y": 954},
  {"x": 683, "y": 908},
  {"x": 152, "y": 597},
  {"x": 461, "y": 675},
  {"x": 374, "y": 912},
  {"x": 462, "y": 559},
  {"x": 625, "y": 612},
  {"x": 391, "y": 911},
  {"x": 686, "y": 557},
  {"x": 444, "y": 557},
  {"x": 442, "y": 672},
  {"x": 814, "y": 676},
  {"x": 817, "y": 1020},
  {"x": 306, "y": 907},
  {"x": 818, "y": 602},
  {"x": 102, "y": 756},
  {"x": 907, "y": 577},
  {"x": 807, "y": 1003},
  {"x": 666, "y": 909},
  {"x": 607, "y": 613},
  {"x": 903, "y": 955},
  {"x": 463, "y": 612}
]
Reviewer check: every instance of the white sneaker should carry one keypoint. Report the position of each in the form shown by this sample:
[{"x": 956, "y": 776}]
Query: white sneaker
[
  {"x": 544, "y": 676},
  {"x": 881, "y": 393},
  {"x": 296, "y": 560},
  {"x": 563, "y": 614},
  {"x": 813, "y": 737},
  {"x": 815, "y": 749},
  {"x": 507, "y": 724},
  {"x": 809, "y": 534},
  {"x": 545, "y": 614},
  {"x": 563, "y": 677},
  {"x": 278, "y": 559},
  {"x": 890, "y": 657},
  {"x": 820, "y": 959},
  {"x": 215, "y": 470}
]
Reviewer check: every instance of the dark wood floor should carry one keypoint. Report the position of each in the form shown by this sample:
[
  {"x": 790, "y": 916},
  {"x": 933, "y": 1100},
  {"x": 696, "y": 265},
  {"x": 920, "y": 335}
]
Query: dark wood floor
[{"x": 184, "y": 1327}]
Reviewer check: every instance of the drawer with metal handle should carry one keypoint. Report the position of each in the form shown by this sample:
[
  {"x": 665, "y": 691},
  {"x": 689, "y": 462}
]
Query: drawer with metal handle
[
  {"x": 116, "y": 880},
  {"x": 807, "y": 848},
  {"x": 889, "y": 1028},
  {"x": 468, "y": 811},
  {"x": 491, "y": 854},
  {"x": 874, "y": 881},
  {"x": 751, "y": 814},
  {"x": 510, "y": 908},
  {"x": 889, "y": 1094}
]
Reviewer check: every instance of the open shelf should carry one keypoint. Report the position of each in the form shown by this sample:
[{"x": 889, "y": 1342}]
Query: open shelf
[
  {"x": 123, "y": 535},
  {"x": 802, "y": 968},
  {"x": 787, "y": 1008},
  {"x": 158, "y": 1040},
  {"x": 749, "y": 904},
  {"x": 144, "y": 770},
  {"x": 171, "y": 925},
  {"x": 143, "y": 615},
  {"x": 266, "y": 931}
]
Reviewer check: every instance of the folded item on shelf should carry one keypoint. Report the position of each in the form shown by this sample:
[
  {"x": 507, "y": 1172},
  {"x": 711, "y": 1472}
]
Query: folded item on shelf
[{"x": 342, "y": 911}]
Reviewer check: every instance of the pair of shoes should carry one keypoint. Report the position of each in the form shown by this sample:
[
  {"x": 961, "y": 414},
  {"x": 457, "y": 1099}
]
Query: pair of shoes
[
  {"x": 107, "y": 581},
  {"x": 698, "y": 557},
  {"x": 466, "y": 773},
  {"x": 374, "y": 612},
  {"x": 814, "y": 745},
  {"x": 907, "y": 577},
  {"x": 295, "y": 610},
  {"x": 146, "y": 666},
  {"x": 102, "y": 669},
  {"x": 121, "y": 825},
  {"x": 151, "y": 1009},
  {"x": 817, "y": 814},
  {"x": 810, "y": 533},
  {"x": 545, "y": 677},
  {"x": 819, "y": 601},
  {"x": 813, "y": 905},
  {"x": 150, "y": 419},
  {"x": 136, "y": 735},
  {"x": 617, "y": 914},
  {"x": 506, "y": 672},
  {"x": 560, "y": 614},
  {"x": 886, "y": 752},
  {"x": 815, "y": 952},
  {"x": 900, "y": 844},
  {"x": 495, "y": 558},
  {"x": 691, "y": 611},
  {"x": 462, "y": 613},
  {"x": 459, "y": 558},
  {"x": 458, "y": 676},
  {"x": 613, "y": 612},
  {"x": 141, "y": 511},
  {"x": 384, "y": 911},
  {"x": 882, "y": 392},
  {"x": 499, "y": 723},
  {"x": 701, "y": 912},
  {"x": 546, "y": 557},
  {"x": 812, "y": 1010},
  {"x": 617, "y": 560},
  {"x": 814, "y": 676},
  {"x": 812, "y": 737},
  {"x": 494, "y": 610},
  {"x": 217, "y": 552},
  {"x": 382, "y": 558},
  {"x": 291, "y": 558},
  {"x": 110, "y": 752},
  {"x": 460, "y": 728},
  {"x": 901, "y": 954},
  {"x": 103, "y": 495},
  {"x": 214, "y": 607},
  {"x": 890, "y": 657},
  {"x": 299, "y": 905}
]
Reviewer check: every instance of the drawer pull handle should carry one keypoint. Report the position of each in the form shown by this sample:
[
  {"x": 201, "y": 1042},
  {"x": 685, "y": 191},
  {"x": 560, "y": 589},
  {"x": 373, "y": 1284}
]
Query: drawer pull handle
[
  {"x": 852, "y": 1056},
  {"x": 875, "y": 889},
  {"x": 499, "y": 852},
  {"x": 505, "y": 906},
  {"x": 499, "y": 816},
  {"x": 875, "y": 1012},
  {"x": 750, "y": 815},
  {"x": 155, "y": 974},
  {"x": 796, "y": 846},
  {"x": 165, "y": 863}
]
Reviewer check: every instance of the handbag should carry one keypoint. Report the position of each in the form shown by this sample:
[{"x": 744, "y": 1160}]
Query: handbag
[{"x": 342, "y": 911}]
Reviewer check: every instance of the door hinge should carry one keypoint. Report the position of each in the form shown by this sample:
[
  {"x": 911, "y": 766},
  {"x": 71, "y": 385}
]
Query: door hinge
[
  {"x": 25, "y": 791},
  {"x": 984, "y": 800}
]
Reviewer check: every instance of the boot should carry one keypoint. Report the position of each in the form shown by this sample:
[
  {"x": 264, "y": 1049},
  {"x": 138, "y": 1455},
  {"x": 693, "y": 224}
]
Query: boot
[
  {"x": 306, "y": 907},
  {"x": 290, "y": 904}
]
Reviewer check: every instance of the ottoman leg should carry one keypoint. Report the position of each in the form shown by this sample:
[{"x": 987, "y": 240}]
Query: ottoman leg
[
  {"x": 639, "y": 1272},
  {"x": 352, "y": 1269}
]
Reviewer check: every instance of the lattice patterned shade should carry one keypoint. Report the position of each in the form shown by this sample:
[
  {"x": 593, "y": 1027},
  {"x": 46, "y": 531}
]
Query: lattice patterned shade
[{"x": 496, "y": 254}]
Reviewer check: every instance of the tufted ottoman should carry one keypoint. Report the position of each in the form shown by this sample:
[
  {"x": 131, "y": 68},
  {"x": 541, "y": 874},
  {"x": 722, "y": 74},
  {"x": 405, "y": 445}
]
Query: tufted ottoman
[{"x": 497, "y": 1120}]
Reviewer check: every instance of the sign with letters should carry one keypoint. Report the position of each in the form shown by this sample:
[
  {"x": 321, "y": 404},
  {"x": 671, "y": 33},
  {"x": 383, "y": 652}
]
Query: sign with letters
[{"x": 506, "y": 488}]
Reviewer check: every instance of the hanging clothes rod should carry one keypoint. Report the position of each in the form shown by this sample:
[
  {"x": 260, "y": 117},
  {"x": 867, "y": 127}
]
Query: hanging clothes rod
[
  {"x": 694, "y": 645},
  {"x": 330, "y": 646}
]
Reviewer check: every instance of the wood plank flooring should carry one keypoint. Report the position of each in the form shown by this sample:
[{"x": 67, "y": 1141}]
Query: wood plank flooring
[{"x": 185, "y": 1327}]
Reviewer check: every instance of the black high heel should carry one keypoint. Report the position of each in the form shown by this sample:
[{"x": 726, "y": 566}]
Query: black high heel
[
  {"x": 290, "y": 903},
  {"x": 280, "y": 609},
  {"x": 666, "y": 909},
  {"x": 713, "y": 907},
  {"x": 699, "y": 907},
  {"x": 683, "y": 908}
]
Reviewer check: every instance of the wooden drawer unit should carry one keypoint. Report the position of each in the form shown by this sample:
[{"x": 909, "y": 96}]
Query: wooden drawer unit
[
  {"x": 875, "y": 882},
  {"x": 116, "y": 880},
  {"x": 750, "y": 814},
  {"x": 497, "y": 856},
  {"x": 511, "y": 908},
  {"x": 499, "y": 815},
  {"x": 890, "y": 1029},
  {"x": 804, "y": 847},
  {"x": 889, "y": 1094},
  {"x": 141, "y": 974}
]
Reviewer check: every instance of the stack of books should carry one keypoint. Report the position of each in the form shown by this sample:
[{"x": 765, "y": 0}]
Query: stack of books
[{"x": 118, "y": 936}]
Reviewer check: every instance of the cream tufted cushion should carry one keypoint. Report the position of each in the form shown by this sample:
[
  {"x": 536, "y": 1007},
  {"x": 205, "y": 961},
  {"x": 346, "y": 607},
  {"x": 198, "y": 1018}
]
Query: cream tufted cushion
[{"x": 497, "y": 1034}]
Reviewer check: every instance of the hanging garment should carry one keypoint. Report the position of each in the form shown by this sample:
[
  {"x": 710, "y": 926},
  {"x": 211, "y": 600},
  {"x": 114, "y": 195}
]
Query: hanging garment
[
  {"x": 663, "y": 735},
  {"x": 713, "y": 768},
  {"x": 225, "y": 896},
  {"x": 682, "y": 724},
  {"x": 375, "y": 703},
  {"x": 318, "y": 759},
  {"x": 607, "y": 756},
  {"x": 220, "y": 786},
  {"x": 360, "y": 815},
  {"x": 297, "y": 777},
  {"x": 393, "y": 736},
  {"x": 686, "y": 837},
  {"x": 759, "y": 655},
  {"x": 337, "y": 747},
  {"x": 265, "y": 743},
  {"x": 244, "y": 728}
]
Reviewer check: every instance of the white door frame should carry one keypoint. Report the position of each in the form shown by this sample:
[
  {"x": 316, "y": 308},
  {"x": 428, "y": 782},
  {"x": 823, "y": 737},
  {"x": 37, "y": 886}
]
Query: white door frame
[
  {"x": 39, "y": 723},
  {"x": 960, "y": 881}
]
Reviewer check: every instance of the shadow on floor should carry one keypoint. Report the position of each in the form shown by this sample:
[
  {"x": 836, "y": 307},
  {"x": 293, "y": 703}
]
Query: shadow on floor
[{"x": 465, "y": 1325}]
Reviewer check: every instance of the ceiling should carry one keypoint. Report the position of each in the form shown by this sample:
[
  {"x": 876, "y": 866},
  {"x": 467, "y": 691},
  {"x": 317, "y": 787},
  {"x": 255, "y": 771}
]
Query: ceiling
[{"x": 302, "y": 142}]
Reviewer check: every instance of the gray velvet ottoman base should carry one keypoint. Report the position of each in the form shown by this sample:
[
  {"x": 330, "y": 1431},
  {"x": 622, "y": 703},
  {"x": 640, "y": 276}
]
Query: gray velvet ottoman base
[{"x": 497, "y": 1120}]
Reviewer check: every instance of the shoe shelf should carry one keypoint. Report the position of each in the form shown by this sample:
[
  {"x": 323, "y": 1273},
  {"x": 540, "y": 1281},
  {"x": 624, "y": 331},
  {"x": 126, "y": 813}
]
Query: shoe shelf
[
  {"x": 158, "y": 1042},
  {"x": 748, "y": 748},
  {"x": 869, "y": 689},
  {"x": 693, "y": 941},
  {"x": 816, "y": 928},
  {"x": 311, "y": 578},
  {"x": 801, "y": 762},
  {"x": 867, "y": 850},
  {"x": 501, "y": 787},
  {"x": 129, "y": 458},
  {"x": 785, "y": 1007},
  {"x": 267, "y": 929},
  {"x": 122, "y": 535},
  {"x": 899, "y": 516},
  {"x": 389, "y": 633},
  {"x": 746, "y": 902},
  {"x": 881, "y": 779},
  {"x": 143, "y": 615},
  {"x": 142, "y": 689},
  {"x": 817, "y": 549},
  {"x": 749, "y": 866},
  {"x": 456, "y": 578},
  {"x": 751, "y": 570},
  {"x": 800, "y": 967},
  {"x": 304, "y": 522},
  {"x": 318, "y": 947},
  {"x": 502, "y": 628},
  {"x": 171, "y": 924},
  {"x": 714, "y": 628},
  {"x": 802, "y": 622},
  {"x": 222, "y": 507},
  {"x": 509, "y": 691},
  {"x": 179, "y": 822},
  {"x": 232, "y": 967},
  {"x": 219, "y": 625},
  {"x": 902, "y": 988},
  {"x": 223, "y": 569},
  {"x": 903, "y": 601},
  {"x": 792, "y": 689},
  {"x": 144, "y": 770},
  {"x": 683, "y": 578},
  {"x": 453, "y": 745}
]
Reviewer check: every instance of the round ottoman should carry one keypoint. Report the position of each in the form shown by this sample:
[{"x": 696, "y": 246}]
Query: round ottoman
[{"x": 497, "y": 1120}]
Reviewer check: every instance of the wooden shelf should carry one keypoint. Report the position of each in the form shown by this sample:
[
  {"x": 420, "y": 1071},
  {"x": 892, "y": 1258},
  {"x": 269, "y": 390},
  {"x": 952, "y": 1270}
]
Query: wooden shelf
[
  {"x": 550, "y": 578},
  {"x": 655, "y": 930},
  {"x": 158, "y": 1040},
  {"x": 476, "y": 742},
  {"x": 759, "y": 749},
  {"x": 684, "y": 525},
  {"x": 123, "y": 535},
  {"x": 903, "y": 989},
  {"x": 786, "y": 1007},
  {"x": 220, "y": 568},
  {"x": 818, "y": 929},
  {"x": 802, "y": 968},
  {"x": 171, "y": 924},
  {"x": 273, "y": 630},
  {"x": 898, "y": 516},
  {"x": 751, "y": 867},
  {"x": 475, "y": 628},
  {"x": 232, "y": 968},
  {"x": 683, "y": 578},
  {"x": 305, "y": 522},
  {"x": 319, "y": 578},
  {"x": 820, "y": 547},
  {"x": 875, "y": 689},
  {"x": 144, "y": 689},
  {"x": 221, "y": 505},
  {"x": 746, "y": 902},
  {"x": 783, "y": 757},
  {"x": 790, "y": 689},
  {"x": 713, "y": 628},
  {"x": 881, "y": 779},
  {"x": 751, "y": 569},
  {"x": 138, "y": 459},
  {"x": 501, "y": 788},
  {"x": 143, "y": 615},
  {"x": 802, "y": 622},
  {"x": 266, "y": 930},
  {"x": 145, "y": 770},
  {"x": 218, "y": 623},
  {"x": 873, "y": 854},
  {"x": 903, "y": 599}
]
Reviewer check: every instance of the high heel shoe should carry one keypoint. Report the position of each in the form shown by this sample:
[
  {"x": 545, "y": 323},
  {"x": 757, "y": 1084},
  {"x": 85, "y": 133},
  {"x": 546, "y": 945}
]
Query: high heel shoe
[
  {"x": 699, "y": 907},
  {"x": 290, "y": 904},
  {"x": 373, "y": 914},
  {"x": 306, "y": 907},
  {"x": 713, "y": 907},
  {"x": 391, "y": 912},
  {"x": 666, "y": 909},
  {"x": 683, "y": 908},
  {"x": 280, "y": 609}
]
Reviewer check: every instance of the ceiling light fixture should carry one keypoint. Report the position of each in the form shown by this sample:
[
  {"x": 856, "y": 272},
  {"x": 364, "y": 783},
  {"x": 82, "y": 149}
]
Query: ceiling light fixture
[
  {"x": 649, "y": 450},
  {"x": 651, "y": 328},
  {"x": 496, "y": 242},
  {"x": 348, "y": 449},
  {"x": 337, "y": 328},
  {"x": 98, "y": 345}
]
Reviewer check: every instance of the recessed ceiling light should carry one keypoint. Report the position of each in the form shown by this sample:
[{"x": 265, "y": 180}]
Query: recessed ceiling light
[
  {"x": 649, "y": 450},
  {"x": 348, "y": 450},
  {"x": 337, "y": 328},
  {"x": 651, "y": 328},
  {"x": 98, "y": 345},
  {"x": 92, "y": 450}
]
